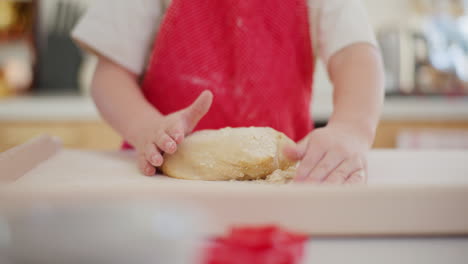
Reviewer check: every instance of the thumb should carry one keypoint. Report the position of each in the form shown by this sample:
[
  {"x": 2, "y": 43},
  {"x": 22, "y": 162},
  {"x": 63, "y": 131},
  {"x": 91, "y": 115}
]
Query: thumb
[
  {"x": 197, "y": 110},
  {"x": 296, "y": 152}
]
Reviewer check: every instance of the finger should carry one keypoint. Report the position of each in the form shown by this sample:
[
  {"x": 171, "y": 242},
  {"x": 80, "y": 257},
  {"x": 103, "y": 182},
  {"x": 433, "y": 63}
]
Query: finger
[
  {"x": 197, "y": 110},
  {"x": 358, "y": 177},
  {"x": 152, "y": 155},
  {"x": 145, "y": 167},
  {"x": 365, "y": 165},
  {"x": 310, "y": 160},
  {"x": 344, "y": 170},
  {"x": 166, "y": 143},
  {"x": 325, "y": 166},
  {"x": 176, "y": 133},
  {"x": 295, "y": 152}
]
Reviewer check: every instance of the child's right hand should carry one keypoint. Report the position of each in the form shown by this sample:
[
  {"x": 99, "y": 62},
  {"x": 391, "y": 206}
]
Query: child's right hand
[{"x": 163, "y": 135}]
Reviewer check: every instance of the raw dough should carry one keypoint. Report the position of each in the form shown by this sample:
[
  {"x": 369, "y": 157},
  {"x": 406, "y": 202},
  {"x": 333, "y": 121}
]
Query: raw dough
[
  {"x": 280, "y": 176},
  {"x": 252, "y": 153}
]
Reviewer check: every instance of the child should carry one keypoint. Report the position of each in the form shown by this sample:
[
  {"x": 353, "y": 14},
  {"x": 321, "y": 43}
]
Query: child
[{"x": 167, "y": 69}]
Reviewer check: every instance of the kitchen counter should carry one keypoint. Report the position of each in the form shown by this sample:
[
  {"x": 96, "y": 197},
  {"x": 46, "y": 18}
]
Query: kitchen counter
[
  {"x": 77, "y": 122},
  {"x": 406, "y": 108},
  {"x": 73, "y": 119},
  {"x": 81, "y": 108},
  {"x": 48, "y": 108},
  {"x": 414, "y": 205}
]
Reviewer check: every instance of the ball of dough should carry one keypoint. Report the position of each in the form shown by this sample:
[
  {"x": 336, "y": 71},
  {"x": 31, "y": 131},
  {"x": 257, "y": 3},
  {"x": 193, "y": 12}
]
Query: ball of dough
[{"x": 249, "y": 153}]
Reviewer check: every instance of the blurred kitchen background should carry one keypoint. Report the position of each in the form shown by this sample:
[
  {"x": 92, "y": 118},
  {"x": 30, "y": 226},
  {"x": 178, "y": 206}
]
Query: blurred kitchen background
[{"x": 45, "y": 78}]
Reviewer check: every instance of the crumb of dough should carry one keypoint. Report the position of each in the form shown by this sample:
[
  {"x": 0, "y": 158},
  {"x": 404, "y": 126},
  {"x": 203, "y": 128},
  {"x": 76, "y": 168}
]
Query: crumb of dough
[
  {"x": 280, "y": 176},
  {"x": 277, "y": 177}
]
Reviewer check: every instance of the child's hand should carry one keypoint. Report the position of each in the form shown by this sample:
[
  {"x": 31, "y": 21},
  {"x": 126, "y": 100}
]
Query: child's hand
[
  {"x": 166, "y": 133},
  {"x": 334, "y": 154}
]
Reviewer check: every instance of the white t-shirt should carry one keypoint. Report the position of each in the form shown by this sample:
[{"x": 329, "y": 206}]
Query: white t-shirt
[{"x": 124, "y": 30}]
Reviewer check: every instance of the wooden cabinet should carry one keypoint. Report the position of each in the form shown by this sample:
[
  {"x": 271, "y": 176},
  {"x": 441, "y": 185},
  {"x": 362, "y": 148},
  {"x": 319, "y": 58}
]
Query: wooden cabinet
[
  {"x": 388, "y": 131},
  {"x": 94, "y": 135}
]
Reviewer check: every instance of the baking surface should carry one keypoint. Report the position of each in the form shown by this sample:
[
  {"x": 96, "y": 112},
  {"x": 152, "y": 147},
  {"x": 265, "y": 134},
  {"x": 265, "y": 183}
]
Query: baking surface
[
  {"x": 409, "y": 193},
  {"x": 73, "y": 167}
]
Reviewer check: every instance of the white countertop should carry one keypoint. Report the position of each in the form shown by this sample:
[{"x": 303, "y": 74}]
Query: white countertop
[
  {"x": 407, "y": 108},
  {"x": 48, "y": 108},
  {"x": 81, "y": 108},
  {"x": 405, "y": 195}
]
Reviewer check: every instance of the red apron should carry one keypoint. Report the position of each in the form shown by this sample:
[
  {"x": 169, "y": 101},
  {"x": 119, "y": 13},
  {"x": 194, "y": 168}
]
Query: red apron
[{"x": 255, "y": 56}]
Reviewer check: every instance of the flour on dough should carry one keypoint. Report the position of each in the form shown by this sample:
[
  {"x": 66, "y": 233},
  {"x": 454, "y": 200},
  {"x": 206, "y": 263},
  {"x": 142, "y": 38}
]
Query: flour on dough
[{"x": 249, "y": 153}]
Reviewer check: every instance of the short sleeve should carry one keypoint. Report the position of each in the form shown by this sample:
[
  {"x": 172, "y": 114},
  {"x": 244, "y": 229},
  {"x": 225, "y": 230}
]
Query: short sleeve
[
  {"x": 337, "y": 24},
  {"x": 121, "y": 30}
]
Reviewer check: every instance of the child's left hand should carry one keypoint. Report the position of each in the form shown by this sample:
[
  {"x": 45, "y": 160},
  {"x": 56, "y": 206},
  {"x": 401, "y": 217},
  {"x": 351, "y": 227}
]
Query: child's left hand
[{"x": 334, "y": 154}]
